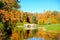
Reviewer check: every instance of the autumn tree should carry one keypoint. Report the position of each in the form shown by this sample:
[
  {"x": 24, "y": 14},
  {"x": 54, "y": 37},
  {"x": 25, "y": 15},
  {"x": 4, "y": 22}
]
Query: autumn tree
[
  {"x": 58, "y": 17},
  {"x": 55, "y": 13},
  {"x": 9, "y": 4},
  {"x": 7, "y": 16}
]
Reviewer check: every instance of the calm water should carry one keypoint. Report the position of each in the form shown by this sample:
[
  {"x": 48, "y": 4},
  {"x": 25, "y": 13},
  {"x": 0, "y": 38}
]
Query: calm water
[{"x": 35, "y": 38}]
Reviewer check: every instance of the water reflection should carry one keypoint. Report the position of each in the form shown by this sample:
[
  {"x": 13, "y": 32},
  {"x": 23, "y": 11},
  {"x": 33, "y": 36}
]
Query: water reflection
[{"x": 35, "y": 38}]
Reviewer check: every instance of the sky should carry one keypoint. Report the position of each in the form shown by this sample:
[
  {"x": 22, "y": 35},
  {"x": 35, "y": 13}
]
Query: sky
[{"x": 39, "y": 5}]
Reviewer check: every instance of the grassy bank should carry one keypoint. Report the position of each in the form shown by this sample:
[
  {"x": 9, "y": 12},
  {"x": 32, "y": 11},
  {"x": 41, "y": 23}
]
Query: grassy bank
[{"x": 51, "y": 27}]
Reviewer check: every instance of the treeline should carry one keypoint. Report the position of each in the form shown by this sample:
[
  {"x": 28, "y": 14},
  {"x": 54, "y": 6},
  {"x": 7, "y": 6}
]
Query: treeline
[{"x": 48, "y": 17}]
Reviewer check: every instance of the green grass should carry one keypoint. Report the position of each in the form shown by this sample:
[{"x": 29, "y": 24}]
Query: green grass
[{"x": 52, "y": 27}]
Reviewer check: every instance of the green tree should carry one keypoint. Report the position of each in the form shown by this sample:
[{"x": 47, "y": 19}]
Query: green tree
[
  {"x": 55, "y": 13},
  {"x": 34, "y": 19}
]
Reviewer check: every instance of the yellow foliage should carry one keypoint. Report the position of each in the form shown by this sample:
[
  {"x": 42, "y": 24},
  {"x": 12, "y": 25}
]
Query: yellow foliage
[{"x": 30, "y": 33}]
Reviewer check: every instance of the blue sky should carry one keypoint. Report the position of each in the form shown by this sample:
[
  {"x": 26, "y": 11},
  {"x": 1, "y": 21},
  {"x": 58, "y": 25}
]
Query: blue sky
[{"x": 39, "y": 5}]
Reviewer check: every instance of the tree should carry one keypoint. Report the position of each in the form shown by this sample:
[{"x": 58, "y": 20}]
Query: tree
[
  {"x": 10, "y": 4},
  {"x": 58, "y": 17},
  {"x": 1, "y": 5},
  {"x": 55, "y": 13},
  {"x": 34, "y": 19},
  {"x": 7, "y": 16}
]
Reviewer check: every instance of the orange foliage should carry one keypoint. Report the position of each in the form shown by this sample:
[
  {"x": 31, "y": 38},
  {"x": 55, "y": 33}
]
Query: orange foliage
[
  {"x": 30, "y": 33},
  {"x": 15, "y": 35},
  {"x": 41, "y": 33},
  {"x": 10, "y": 16},
  {"x": 52, "y": 34}
]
